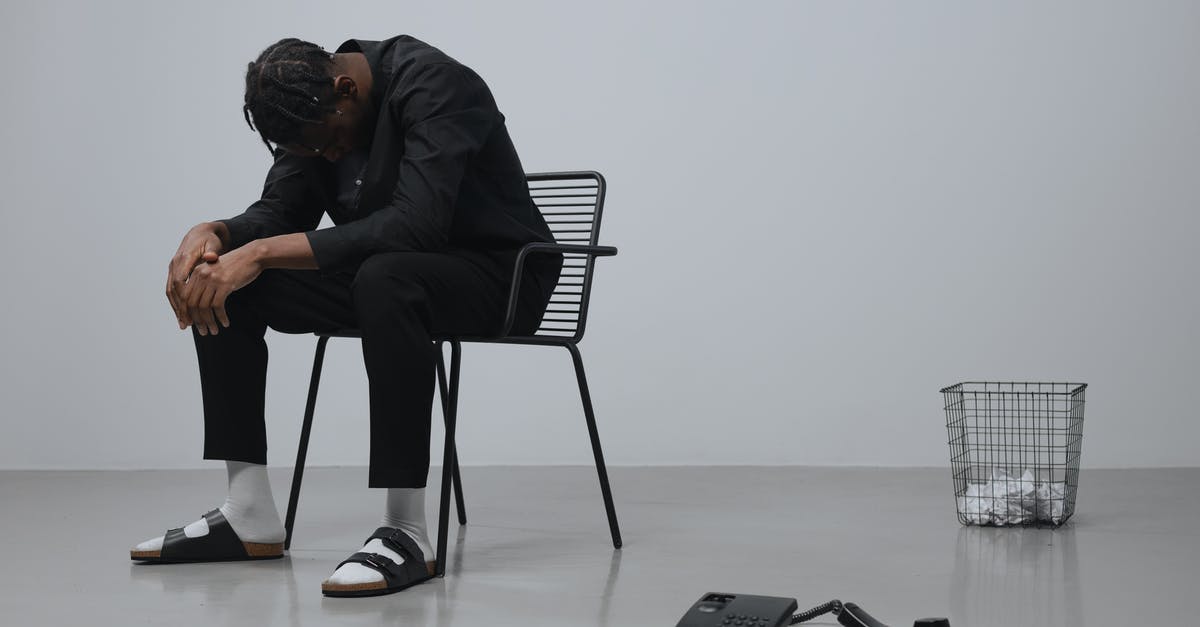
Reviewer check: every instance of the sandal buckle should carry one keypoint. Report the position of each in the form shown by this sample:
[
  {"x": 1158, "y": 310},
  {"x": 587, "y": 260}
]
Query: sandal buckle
[
  {"x": 395, "y": 536},
  {"x": 370, "y": 559}
]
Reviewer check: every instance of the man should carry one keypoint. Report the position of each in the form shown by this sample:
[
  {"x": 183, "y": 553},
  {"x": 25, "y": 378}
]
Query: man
[{"x": 405, "y": 149}]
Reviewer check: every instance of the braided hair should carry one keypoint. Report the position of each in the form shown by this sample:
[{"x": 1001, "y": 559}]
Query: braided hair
[{"x": 288, "y": 86}]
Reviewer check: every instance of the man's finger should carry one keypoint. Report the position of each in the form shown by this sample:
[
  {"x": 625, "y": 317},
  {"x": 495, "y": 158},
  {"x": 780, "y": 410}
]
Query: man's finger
[
  {"x": 173, "y": 296},
  {"x": 194, "y": 285},
  {"x": 200, "y": 319},
  {"x": 194, "y": 308},
  {"x": 170, "y": 291},
  {"x": 194, "y": 316},
  {"x": 174, "y": 306},
  {"x": 192, "y": 291},
  {"x": 181, "y": 298},
  {"x": 171, "y": 301},
  {"x": 219, "y": 311},
  {"x": 176, "y": 296},
  {"x": 205, "y": 305}
]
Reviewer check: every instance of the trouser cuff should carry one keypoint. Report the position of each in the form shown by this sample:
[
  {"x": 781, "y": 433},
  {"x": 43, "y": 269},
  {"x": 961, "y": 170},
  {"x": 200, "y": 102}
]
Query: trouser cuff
[
  {"x": 236, "y": 456},
  {"x": 409, "y": 477}
]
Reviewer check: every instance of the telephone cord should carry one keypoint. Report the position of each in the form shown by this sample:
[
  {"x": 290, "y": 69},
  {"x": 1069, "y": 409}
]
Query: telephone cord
[{"x": 834, "y": 606}]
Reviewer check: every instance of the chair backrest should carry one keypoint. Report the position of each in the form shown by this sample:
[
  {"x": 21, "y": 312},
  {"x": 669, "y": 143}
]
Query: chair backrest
[{"x": 571, "y": 203}]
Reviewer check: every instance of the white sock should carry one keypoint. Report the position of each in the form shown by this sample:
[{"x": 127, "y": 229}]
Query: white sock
[
  {"x": 405, "y": 511},
  {"x": 249, "y": 507}
]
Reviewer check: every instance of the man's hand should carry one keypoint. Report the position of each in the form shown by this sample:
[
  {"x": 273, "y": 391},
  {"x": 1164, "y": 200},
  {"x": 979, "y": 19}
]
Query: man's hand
[
  {"x": 204, "y": 294},
  {"x": 202, "y": 276},
  {"x": 202, "y": 243}
]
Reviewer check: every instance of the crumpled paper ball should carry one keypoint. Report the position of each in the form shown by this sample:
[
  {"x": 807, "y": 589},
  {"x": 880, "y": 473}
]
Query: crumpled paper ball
[{"x": 1007, "y": 499}]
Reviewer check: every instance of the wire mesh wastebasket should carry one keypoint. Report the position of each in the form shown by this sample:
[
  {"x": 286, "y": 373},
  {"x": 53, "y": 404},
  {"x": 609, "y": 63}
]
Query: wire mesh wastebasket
[{"x": 1014, "y": 451}]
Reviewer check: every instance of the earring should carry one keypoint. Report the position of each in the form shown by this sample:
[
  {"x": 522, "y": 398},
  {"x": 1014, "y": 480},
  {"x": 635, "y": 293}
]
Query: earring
[{"x": 339, "y": 111}]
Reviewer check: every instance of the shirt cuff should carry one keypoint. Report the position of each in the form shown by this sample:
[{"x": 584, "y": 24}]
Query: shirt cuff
[
  {"x": 239, "y": 232},
  {"x": 332, "y": 252}
]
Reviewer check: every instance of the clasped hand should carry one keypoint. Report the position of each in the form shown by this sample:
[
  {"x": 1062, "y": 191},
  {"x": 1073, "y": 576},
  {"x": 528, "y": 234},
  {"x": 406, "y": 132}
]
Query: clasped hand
[{"x": 200, "y": 278}]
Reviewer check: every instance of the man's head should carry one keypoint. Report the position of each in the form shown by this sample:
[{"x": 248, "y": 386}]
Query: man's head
[{"x": 308, "y": 101}]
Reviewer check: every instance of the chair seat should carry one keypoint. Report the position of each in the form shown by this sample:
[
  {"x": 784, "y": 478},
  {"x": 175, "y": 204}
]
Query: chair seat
[
  {"x": 339, "y": 333},
  {"x": 508, "y": 339},
  {"x": 351, "y": 332}
]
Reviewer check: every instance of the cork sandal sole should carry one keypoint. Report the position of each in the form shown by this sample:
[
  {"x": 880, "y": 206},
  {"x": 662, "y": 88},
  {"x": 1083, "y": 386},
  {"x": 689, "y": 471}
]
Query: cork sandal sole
[
  {"x": 374, "y": 588},
  {"x": 254, "y": 551}
]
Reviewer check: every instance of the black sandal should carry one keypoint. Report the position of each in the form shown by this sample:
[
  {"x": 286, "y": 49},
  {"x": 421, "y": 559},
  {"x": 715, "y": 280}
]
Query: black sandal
[
  {"x": 396, "y": 577},
  {"x": 220, "y": 544}
]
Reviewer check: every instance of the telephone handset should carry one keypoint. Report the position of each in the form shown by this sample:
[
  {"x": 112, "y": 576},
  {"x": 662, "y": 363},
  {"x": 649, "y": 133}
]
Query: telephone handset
[{"x": 722, "y": 609}]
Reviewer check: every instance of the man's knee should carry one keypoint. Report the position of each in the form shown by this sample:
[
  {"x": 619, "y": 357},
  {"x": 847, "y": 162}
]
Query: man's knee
[
  {"x": 250, "y": 293},
  {"x": 259, "y": 300},
  {"x": 385, "y": 288}
]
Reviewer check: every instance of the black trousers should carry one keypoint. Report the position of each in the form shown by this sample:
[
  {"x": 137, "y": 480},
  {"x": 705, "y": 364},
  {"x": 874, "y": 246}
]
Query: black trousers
[{"x": 399, "y": 302}]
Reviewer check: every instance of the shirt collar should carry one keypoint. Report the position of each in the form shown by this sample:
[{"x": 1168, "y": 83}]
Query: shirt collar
[{"x": 373, "y": 50}]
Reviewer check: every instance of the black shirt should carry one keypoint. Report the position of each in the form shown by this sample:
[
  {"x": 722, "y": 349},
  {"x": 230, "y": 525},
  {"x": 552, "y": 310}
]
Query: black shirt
[
  {"x": 441, "y": 173},
  {"x": 350, "y": 170}
]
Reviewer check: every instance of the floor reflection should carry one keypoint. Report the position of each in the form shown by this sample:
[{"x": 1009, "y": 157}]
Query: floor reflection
[
  {"x": 267, "y": 592},
  {"x": 454, "y": 570},
  {"x": 614, "y": 569},
  {"x": 259, "y": 592},
  {"x": 1016, "y": 577}
]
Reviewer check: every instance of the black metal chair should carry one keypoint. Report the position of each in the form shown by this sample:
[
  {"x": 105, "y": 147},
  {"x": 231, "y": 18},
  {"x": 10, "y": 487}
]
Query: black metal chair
[{"x": 571, "y": 203}]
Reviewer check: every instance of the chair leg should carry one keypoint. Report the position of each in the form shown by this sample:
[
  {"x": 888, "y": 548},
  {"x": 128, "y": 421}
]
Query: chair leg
[
  {"x": 302, "y": 453},
  {"x": 601, "y": 470},
  {"x": 448, "y": 457},
  {"x": 457, "y": 476}
]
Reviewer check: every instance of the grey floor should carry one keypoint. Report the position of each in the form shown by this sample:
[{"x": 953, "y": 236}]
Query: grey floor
[{"x": 536, "y": 551}]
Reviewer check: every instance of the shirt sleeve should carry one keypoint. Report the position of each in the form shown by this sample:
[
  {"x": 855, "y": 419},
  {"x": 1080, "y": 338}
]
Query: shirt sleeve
[
  {"x": 289, "y": 203},
  {"x": 445, "y": 120}
]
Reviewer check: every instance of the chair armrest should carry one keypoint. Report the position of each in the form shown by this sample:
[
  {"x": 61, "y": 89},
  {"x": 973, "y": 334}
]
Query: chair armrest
[{"x": 544, "y": 247}]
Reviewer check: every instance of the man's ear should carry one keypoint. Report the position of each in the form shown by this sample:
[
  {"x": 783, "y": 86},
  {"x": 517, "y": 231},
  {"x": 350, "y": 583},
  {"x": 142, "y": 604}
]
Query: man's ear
[{"x": 344, "y": 86}]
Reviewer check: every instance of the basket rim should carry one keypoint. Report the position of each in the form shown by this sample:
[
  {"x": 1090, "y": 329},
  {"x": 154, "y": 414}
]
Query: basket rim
[{"x": 1073, "y": 387}]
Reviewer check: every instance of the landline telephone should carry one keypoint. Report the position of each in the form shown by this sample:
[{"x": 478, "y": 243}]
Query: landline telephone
[{"x": 721, "y": 609}]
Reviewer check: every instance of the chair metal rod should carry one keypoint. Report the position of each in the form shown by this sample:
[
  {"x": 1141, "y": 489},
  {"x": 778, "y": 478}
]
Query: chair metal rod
[
  {"x": 601, "y": 469},
  {"x": 448, "y": 458},
  {"x": 457, "y": 476},
  {"x": 302, "y": 452},
  {"x": 591, "y": 195}
]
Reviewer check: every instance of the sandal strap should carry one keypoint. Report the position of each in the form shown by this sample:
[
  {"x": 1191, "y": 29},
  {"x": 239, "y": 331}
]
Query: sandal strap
[
  {"x": 220, "y": 542},
  {"x": 401, "y": 543},
  {"x": 392, "y": 572}
]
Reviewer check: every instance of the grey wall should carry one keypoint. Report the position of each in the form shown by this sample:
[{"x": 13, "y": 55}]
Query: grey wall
[{"x": 826, "y": 212}]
